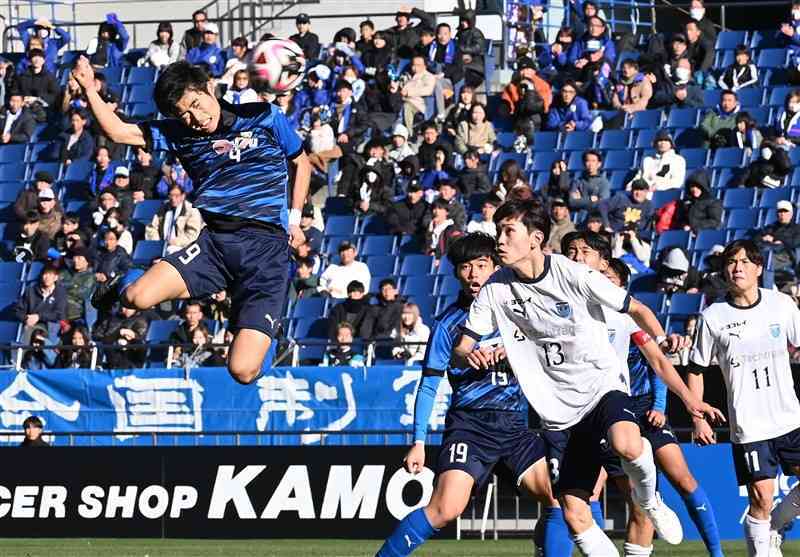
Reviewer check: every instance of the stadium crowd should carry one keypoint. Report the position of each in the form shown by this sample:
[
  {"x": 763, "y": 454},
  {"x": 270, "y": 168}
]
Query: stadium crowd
[{"x": 670, "y": 145}]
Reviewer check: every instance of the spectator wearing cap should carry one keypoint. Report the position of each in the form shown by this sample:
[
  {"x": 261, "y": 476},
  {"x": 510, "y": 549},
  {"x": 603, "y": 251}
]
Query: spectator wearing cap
[
  {"x": 316, "y": 93},
  {"x": 28, "y": 199},
  {"x": 569, "y": 112},
  {"x": 193, "y": 36},
  {"x": 560, "y": 223},
  {"x": 699, "y": 210},
  {"x": 32, "y": 426},
  {"x": 782, "y": 233},
  {"x": 400, "y": 148},
  {"x": 31, "y": 244},
  {"x": 313, "y": 234},
  {"x": 307, "y": 40},
  {"x": 77, "y": 143},
  {"x": 355, "y": 310},
  {"x": 409, "y": 215},
  {"x": 121, "y": 188},
  {"x": 591, "y": 186},
  {"x": 742, "y": 73},
  {"x": 105, "y": 50},
  {"x": 666, "y": 169},
  {"x": 77, "y": 278},
  {"x": 593, "y": 46},
  {"x": 177, "y": 223},
  {"x": 163, "y": 50},
  {"x": 42, "y": 306},
  {"x": 404, "y": 36},
  {"x": 49, "y": 214},
  {"x": 52, "y": 39},
  {"x": 336, "y": 277},
  {"x": 235, "y": 61},
  {"x": 37, "y": 84},
  {"x": 475, "y": 133},
  {"x": 484, "y": 222},
  {"x": 526, "y": 99},
  {"x": 719, "y": 119},
  {"x": 208, "y": 53},
  {"x": 473, "y": 178},
  {"x": 17, "y": 124},
  {"x": 111, "y": 259},
  {"x": 633, "y": 90},
  {"x": 787, "y": 124},
  {"x": 628, "y": 210},
  {"x": 675, "y": 274},
  {"x": 420, "y": 85}
]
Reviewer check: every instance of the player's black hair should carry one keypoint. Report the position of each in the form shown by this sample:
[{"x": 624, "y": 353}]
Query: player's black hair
[
  {"x": 729, "y": 92},
  {"x": 592, "y": 239},
  {"x": 175, "y": 81},
  {"x": 32, "y": 421},
  {"x": 355, "y": 286},
  {"x": 386, "y": 281},
  {"x": 594, "y": 152},
  {"x": 750, "y": 248},
  {"x": 472, "y": 246},
  {"x": 621, "y": 269},
  {"x": 530, "y": 211}
]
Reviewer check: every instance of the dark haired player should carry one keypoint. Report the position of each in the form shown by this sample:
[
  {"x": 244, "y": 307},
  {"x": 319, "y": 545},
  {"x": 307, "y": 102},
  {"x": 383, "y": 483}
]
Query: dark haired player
[
  {"x": 548, "y": 310},
  {"x": 237, "y": 157},
  {"x": 747, "y": 335},
  {"x": 487, "y": 421}
]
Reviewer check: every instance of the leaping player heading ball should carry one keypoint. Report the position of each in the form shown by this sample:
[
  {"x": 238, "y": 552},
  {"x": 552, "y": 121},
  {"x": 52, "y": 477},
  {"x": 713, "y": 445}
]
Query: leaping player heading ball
[{"x": 237, "y": 157}]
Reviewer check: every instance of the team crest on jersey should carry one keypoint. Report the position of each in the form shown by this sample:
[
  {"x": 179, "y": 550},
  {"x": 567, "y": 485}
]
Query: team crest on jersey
[
  {"x": 234, "y": 148},
  {"x": 612, "y": 334},
  {"x": 775, "y": 330},
  {"x": 563, "y": 309}
]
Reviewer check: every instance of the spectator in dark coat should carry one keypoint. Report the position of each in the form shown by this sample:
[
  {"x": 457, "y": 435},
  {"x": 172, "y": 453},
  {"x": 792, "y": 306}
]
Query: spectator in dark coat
[
  {"x": 372, "y": 196},
  {"x": 43, "y": 305},
  {"x": 194, "y": 36},
  {"x": 192, "y": 319},
  {"x": 411, "y": 215},
  {"x": 31, "y": 243},
  {"x": 404, "y": 36},
  {"x": 75, "y": 358},
  {"x": 76, "y": 143},
  {"x": 307, "y": 40},
  {"x": 431, "y": 142},
  {"x": 628, "y": 210},
  {"x": 37, "y": 84},
  {"x": 700, "y": 210},
  {"x": 697, "y": 11},
  {"x": 144, "y": 174},
  {"x": 111, "y": 259},
  {"x": 28, "y": 199},
  {"x": 126, "y": 330},
  {"x": 385, "y": 314},
  {"x": 354, "y": 310},
  {"x": 455, "y": 209},
  {"x": 313, "y": 235},
  {"x": 768, "y": 170},
  {"x": 591, "y": 187},
  {"x": 472, "y": 44},
  {"x": 701, "y": 54},
  {"x": 78, "y": 280},
  {"x": 473, "y": 178},
  {"x": 782, "y": 233},
  {"x": 17, "y": 124}
]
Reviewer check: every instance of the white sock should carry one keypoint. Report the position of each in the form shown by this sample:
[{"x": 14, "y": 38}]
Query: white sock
[
  {"x": 594, "y": 543},
  {"x": 643, "y": 475},
  {"x": 787, "y": 510},
  {"x": 756, "y": 532},
  {"x": 633, "y": 550}
]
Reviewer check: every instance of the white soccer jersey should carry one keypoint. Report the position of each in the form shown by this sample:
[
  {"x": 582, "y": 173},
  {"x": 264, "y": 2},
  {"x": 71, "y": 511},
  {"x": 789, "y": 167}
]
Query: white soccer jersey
[
  {"x": 750, "y": 345},
  {"x": 555, "y": 336},
  {"x": 620, "y": 328}
]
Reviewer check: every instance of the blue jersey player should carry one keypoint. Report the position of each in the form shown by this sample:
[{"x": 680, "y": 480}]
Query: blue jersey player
[
  {"x": 487, "y": 421},
  {"x": 238, "y": 159}
]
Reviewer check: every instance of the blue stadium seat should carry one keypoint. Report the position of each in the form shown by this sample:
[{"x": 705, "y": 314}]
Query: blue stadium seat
[
  {"x": 689, "y": 138},
  {"x": 337, "y": 206},
  {"x": 375, "y": 282},
  {"x": 69, "y": 57},
  {"x": 545, "y": 141},
  {"x": 145, "y": 210},
  {"x": 340, "y": 225},
  {"x": 140, "y": 93},
  {"x": 711, "y": 97},
  {"x": 381, "y": 265},
  {"x": 617, "y": 179},
  {"x": 723, "y": 59},
  {"x": 685, "y": 304},
  {"x": 575, "y": 161},
  {"x": 10, "y": 271},
  {"x": 763, "y": 39},
  {"x": 113, "y": 74},
  {"x": 427, "y": 306},
  {"x": 506, "y": 140},
  {"x": 653, "y": 300},
  {"x": 729, "y": 40},
  {"x": 768, "y": 216},
  {"x": 497, "y": 161},
  {"x": 739, "y": 198},
  {"x": 777, "y": 96},
  {"x": 644, "y": 140},
  {"x": 8, "y": 331},
  {"x": 645, "y": 119},
  {"x": 13, "y": 153},
  {"x": 742, "y": 219},
  {"x": 376, "y": 245},
  {"x": 309, "y": 307},
  {"x": 728, "y": 157},
  {"x": 662, "y": 197},
  {"x": 707, "y": 239},
  {"x": 414, "y": 265},
  {"x": 770, "y": 197},
  {"x": 643, "y": 283},
  {"x": 77, "y": 171},
  {"x": 771, "y": 58},
  {"x": 418, "y": 286},
  {"x": 373, "y": 224},
  {"x": 578, "y": 141},
  {"x": 310, "y": 327},
  {"x": 449, "y": 286},
  {"x": 10, "y": 190},
  {"x": 750, "y": 96},
  {"x": 619, "y": 160},
  {"x": 444, "y": 268},
  {"x": 794, "y": 157},
  {"x": 673, "y": 238},
  {"x": 142, "y": 74},
  {"x": 12, "y": 171},
  {"x": 34, "y": 271},
  {"x": 160, "y": 330},
  {"x": 614, "y": 139},
  {"x": 683, "y": 118},
  {"x": 761, "y": 114},
  {"x": 147, "y": 250},
  {"x": 52, "y": 168},
  {"x": 142, "y": 110},
  {"x": 542, "y": 161},
  {"x": 695, "y": 158}
]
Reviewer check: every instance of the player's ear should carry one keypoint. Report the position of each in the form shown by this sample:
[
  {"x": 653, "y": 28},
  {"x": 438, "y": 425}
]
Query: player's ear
[
  {"x": 210, "y": 87},
  {"x": 538, "y": 237}
]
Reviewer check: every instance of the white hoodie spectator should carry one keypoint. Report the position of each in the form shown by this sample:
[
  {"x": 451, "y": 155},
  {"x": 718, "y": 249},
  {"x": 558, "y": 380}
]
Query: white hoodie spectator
[
  {"x": 335, "y": 278},
  {"x": 666, "y": 169},
  {"x": 401, "y": 149}
]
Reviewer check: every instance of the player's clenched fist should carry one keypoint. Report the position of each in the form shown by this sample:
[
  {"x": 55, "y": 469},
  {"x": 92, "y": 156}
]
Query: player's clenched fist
[
  {"x": 296, "y": 236},
  {"x": 83, "y": 73},
  {"x": 415, "y": 458}
]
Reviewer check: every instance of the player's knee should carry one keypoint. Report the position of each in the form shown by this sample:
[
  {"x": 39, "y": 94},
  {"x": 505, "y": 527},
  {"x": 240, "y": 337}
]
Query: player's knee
[
  {"x": 685, "y": 484},
  {"x": 761, "y": 498},
  {"x": 134, "y": 297},
  {"x": 579, "y": 519},
  {"x": 441, "y": 513},
  {"x": 628, "y": 447},
  {"x": 243, "y": 374}
]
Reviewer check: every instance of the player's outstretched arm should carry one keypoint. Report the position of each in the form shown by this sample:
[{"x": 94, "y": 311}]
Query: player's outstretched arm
[
  {"x": 111, "y": 124},
  {"x": 703, "y": 434},
  {"x": 423, "y": 406},
  {"x": 646, "y": 320},
  {"x": 483, "y": 357},
  {"x": 302, "y": 179}
]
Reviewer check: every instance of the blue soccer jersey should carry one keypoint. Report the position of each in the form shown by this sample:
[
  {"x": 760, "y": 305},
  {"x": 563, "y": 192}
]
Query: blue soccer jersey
[
  {"x": 496, "y": 389},
  {"x": 645, "y": 381},
  {"x": 241, "y": 169}
]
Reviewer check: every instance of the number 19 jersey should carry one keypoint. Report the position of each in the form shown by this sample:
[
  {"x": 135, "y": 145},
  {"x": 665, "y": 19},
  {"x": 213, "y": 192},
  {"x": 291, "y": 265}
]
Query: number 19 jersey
[
  {"x": 555, "y": 335},
  {"x": 750, "y": 346}
]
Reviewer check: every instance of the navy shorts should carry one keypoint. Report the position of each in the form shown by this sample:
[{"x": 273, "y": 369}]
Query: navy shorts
[
  {"x": 658, "y": 436},
  {"x": 252, "y": 264},
  {"x": 576, "y": 455},
  {"x": 475, "y": 440},
  {"x": 759, "y": 460}
]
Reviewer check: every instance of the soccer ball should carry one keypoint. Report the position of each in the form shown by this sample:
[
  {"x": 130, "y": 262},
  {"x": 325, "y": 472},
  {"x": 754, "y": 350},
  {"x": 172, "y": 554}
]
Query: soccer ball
[{"x": 277, "y": 66}]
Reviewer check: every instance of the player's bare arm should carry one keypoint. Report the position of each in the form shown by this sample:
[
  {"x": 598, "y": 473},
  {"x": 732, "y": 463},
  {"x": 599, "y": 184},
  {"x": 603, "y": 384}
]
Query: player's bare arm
[
  {"x": 703, "y": 433},
  {"x": 483, "y": 357},
  {"x": 111, "y": 124},
  {"x": 647, "y": 321},
  {"x": 415, "y": 458},
  {"x": 302, "y": 178}
]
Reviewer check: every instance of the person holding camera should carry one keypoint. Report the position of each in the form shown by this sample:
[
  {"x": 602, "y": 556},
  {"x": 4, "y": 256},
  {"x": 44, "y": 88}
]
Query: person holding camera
[
  {"x": 526, "y": 100},
  {"x": 665, "y": 169}
]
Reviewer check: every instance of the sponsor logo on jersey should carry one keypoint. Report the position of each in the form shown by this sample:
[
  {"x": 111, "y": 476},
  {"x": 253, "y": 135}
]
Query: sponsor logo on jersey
[
  {"x": 234, "y": 148},
  {"x": 563, "y": 309},
  {"x": 775, "y": 330},
  {"x": 734, "y": 325}
]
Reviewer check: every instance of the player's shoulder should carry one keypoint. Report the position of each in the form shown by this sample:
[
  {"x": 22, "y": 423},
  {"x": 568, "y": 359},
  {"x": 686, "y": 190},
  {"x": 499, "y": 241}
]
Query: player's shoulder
[
  {"x": 562, "y": 265},
  {"x": 776, "y": 298}
]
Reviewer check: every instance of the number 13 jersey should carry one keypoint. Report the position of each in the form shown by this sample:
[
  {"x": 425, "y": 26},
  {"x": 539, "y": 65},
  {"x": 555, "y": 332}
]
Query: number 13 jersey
[
  {"x": 555, "y": 335},
  {"x": 750, "y": 346}
]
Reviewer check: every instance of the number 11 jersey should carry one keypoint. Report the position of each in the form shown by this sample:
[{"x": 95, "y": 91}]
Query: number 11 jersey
[{"x": 750, "y": 346}]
